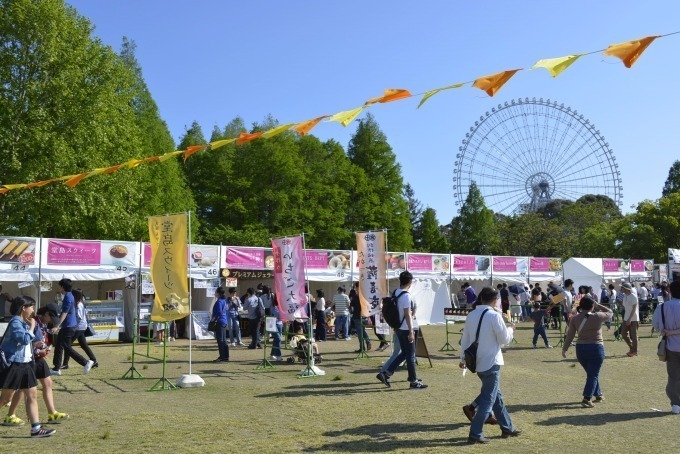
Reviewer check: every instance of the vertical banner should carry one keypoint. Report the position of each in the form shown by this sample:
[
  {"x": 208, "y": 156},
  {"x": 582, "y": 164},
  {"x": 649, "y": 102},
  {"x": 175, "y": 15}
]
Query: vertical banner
[
  {"x": 169, "y": 267},
  {"x": 372, "y": 271},
  {"x": 289, "y": 277}
]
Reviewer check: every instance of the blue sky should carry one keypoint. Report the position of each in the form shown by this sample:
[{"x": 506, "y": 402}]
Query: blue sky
[{"x": 211, "y": 61}]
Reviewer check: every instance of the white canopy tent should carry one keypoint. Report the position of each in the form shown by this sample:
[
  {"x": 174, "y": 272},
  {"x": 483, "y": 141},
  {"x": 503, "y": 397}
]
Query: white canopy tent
[{"x": 584, "y": 271}]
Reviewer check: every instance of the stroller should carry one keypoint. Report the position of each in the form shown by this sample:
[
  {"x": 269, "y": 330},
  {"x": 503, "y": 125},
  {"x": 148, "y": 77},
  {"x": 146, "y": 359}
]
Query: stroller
[{"x": 300, "y": 347}]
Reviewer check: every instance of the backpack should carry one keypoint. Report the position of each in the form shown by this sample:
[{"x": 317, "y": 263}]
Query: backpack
[{"x": 390, "y": 311}]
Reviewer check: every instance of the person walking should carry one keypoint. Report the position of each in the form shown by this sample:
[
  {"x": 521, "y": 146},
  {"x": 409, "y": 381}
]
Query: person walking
[
  {"x": 81, "y": 327},
  {"x": 666, "y": 319},
  {"x": 275, "y": 312},
  {"x": 493, "y": 334},
  {"x": 66, "y": 330},
  {"x": 589, "y": 346},
  {"x": 234, "y": 307},
  {"x": 255, "y": 312},
  {"x": 220, "y": 315},
  {"x": 341, "y": 309},
  {"x": 406, "y": 334},
  {"x": 20, "y": 375},
  {"x": 629, "y": 327},
  {"x": 359, "y": 322},
  {"x": 320, "y": 316}
]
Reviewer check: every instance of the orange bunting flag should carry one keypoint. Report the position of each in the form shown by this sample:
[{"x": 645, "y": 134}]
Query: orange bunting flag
[
  {"x": 431, "y": 93},
  {"x": 3, "y": 190},
  {"x": 245, "y": 137},
  {"x": 37, "y": 184},
  {"x": 391, "y": 94},
  {"x": 192, "y": 150},
  {"x": 556, "y": 65},
  {"x": 276, "y": 131},
  {"x": 167, "y": 156},
  {"x": 345, "y": 117},
  {"x": 75, "y": 179},
  {"x": 630, "y": 51},
  {"x": 112, "y": 169},
  {"x": 150, "y": 159},
  {"x": 221, "y": 143},
  {"x": 493, "y": 82},
  {"x": 306, "y": 126}
]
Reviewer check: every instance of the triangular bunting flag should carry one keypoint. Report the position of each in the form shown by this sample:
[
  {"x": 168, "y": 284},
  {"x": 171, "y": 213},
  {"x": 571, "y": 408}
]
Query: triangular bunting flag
[
  {"x": 277, "y": 130},
  {"x": 132, "y": 163},
  {"x": 112, "y": 169},
  {"x": 149, "y": 159},
  {"x": 75, "y": 179},
  {"x": 37, "y": 184},
  {"x": 346, "y": 117},
  {"x": 493, "y": 82},
  {"x": 3, "y": 190},
  {"x": 166, "y": 156},
  {"x": 245, "y": 137},
  {"x": 9, "y": 187},
  {"x": 629, "y": 51},
  {"x": 431, "y": 93},
  {"x": 306, "y": 126},
  {"x": 192, "y": 150},
  {"x": 221, "y": 143},
  {"x": 556, "y": 65},
  {"x": 391, "y": 94}
]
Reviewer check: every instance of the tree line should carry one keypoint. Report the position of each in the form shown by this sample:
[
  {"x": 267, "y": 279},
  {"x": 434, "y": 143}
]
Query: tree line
[{"x": 69, "y": 103}]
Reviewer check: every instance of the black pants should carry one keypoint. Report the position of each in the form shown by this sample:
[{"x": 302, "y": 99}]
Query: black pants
[
  {"x": 82, "y": 341},
  {"x": 254, "y": 325},
  {"x": 320, "y": 325},
  {"x": 65, "y": 343}
]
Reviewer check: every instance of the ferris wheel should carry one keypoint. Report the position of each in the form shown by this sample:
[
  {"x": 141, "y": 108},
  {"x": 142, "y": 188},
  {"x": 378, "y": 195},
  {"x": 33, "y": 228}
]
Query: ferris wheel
[{"x": 527, "y": 152}]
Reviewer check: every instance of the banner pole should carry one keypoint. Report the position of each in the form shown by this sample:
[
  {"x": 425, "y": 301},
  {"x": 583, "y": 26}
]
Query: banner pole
[
  {"x": 190, "y": 306},
  {"x": 310, "y": 357},
  {"x": 40, "y": 273},
  {"x": 387, "y": 278}
]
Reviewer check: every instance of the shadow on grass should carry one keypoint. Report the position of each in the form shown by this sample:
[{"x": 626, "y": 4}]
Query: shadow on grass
[
  {"x": 599, "y": 419},
  {"x": 545, "y": 407},
  {"x": 331, "y": 389},
  {"x": 384, "y": 438}
]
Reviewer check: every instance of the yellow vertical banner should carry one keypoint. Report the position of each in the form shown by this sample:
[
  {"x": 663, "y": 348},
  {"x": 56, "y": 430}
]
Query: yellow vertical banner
[
  {"x": 168, "y": 235},
  {"x": 372, "y": 271}
]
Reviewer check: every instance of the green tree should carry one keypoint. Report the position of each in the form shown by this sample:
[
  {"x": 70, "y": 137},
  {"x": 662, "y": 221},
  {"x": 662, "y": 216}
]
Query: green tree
[
  {"x": 378, "y": 201},
  {"x": 67, "y": 105},
  {"x": 429, "y": 234},
  {"x": 526, "y": 235},
  {"x": 415, "y": 211},
  {"x": 473, "y": 231},
  {"x": 673, "y": 181}
]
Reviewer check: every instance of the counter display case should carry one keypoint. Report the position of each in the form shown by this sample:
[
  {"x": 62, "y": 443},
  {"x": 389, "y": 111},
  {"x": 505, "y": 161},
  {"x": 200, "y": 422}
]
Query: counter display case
[{"x": 107, "y": 317}]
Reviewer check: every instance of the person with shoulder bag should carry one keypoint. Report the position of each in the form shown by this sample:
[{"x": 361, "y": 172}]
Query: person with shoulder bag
[
  {"x": 666, "y": 320},
  {"x": 220, "y": 318},
  {"x": 485, "y": 327},
  {"x": 81, "y": 328},
  {"x": 234, "y": 305}
]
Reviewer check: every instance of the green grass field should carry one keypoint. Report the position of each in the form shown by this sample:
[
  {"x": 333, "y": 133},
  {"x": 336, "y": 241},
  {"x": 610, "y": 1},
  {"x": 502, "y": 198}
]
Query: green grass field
[{"x": 348, "y": 410}]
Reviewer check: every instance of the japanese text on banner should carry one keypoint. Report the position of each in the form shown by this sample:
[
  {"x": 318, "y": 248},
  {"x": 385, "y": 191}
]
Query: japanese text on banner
[
  {"x": 289, "y": 277},
  {"x": 372, "y": 271},
  {"x": 169, "y": 267}
]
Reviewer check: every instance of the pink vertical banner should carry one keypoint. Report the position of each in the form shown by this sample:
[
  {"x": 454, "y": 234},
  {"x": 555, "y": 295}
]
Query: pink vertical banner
[{"x": 289, "y": 277}]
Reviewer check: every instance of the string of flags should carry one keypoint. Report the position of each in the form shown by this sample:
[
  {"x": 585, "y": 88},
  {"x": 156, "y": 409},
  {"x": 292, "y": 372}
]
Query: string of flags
[{"x": 628, "y": 52}]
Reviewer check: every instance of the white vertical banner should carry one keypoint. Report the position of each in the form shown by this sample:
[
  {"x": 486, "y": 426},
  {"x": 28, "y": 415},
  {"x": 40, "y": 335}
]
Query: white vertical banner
[
  {"x": 289, "y": 277},
  {"x": 372, "y": 271}
]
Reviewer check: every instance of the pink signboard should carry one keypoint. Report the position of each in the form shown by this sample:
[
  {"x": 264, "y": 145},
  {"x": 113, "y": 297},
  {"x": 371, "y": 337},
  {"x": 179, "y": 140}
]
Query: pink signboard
[
  {"x": 72, "y": 252},
  {"x": 464, "y": 263},
  {"x": 245, "y": 258},
  {"x": 539, "y": 265},
  {"x": 505, "y": 264},
  {"x": 316, "y": 260},
  {"x": 419, "y": 262},
  {"x": 147, "y": 254},
  {"x": 637, "y": 266},
  {"x": 611, "y": 265}
]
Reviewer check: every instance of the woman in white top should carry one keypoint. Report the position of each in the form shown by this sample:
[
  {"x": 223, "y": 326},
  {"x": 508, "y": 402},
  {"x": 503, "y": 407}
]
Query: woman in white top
[
  {"x": 81, "y": 317},
  {"x": 320, "y": 316}
]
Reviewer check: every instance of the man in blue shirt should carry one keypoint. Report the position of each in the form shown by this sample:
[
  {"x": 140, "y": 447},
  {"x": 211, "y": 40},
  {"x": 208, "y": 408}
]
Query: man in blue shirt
[
  {"x": 66, "y": 330},
  {"x": 470, "y": 294}
]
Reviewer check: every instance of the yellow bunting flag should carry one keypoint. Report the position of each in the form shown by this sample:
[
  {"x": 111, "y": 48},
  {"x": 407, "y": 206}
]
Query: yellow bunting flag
[
  {"x": 630, "y": 51},
  {"x": 9, "y": 187},
  {"x": 245, "y": 137},
  {"x": 278, "y": 130},
  {"x": 192, "y": 150},
  {"x": 306, "y": 126},
  {"x": 167, "y": 156},
  {"x": 168, "y": 237},
  {"x": 346, "y": 117},
  {"x": 556, "y": 65},
  {"x": 40, "y": 183},
  {"x": 431, "y": 93},
  {"x": 75, "y": 179},
  {"x": 391, "y": 94},
  {"x": 221, "y": 143},
  {"x": 132, "y": 163},
  {"x": 493, "y": 82}
]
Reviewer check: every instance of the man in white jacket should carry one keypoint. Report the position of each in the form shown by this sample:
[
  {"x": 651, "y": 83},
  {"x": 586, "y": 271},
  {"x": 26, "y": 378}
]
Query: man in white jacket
[{"x": 493, "y": 333}]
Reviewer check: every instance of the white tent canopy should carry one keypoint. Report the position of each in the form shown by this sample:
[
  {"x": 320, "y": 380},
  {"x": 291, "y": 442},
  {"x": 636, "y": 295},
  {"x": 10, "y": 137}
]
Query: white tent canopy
[{"x": 584, "y": 271}]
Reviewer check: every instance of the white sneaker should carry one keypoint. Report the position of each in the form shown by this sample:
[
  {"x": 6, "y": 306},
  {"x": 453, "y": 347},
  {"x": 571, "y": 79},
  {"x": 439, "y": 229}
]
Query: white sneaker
[
  {"x": 55, "y": 372},
  {"x": 88, "y": 366},
  {"x": 233, "y": 344},
  {"x": 675, "y": 409}
]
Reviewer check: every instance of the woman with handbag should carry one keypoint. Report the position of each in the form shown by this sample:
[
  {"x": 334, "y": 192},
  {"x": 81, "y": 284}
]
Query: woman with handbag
[
  {"x": 81, "y": 330},
  {"x": 589, "y": 346},
  {"x": 220, "y": 320}
]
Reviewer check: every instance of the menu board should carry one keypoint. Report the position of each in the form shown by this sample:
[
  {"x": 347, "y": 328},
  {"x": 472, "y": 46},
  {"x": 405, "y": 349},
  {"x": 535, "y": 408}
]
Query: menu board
[
  {"x": 17, "y": 250},
  {"x": 428, "y": 263},
  {"x": 544, "y": 264},
  {"x": 615, "y": 266},
  {"x": 245, "y": 258},
  {"x": 328, "y": 260},
  {"x": 91, "y": 253},
  {"x": 472, "y": 264}
]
